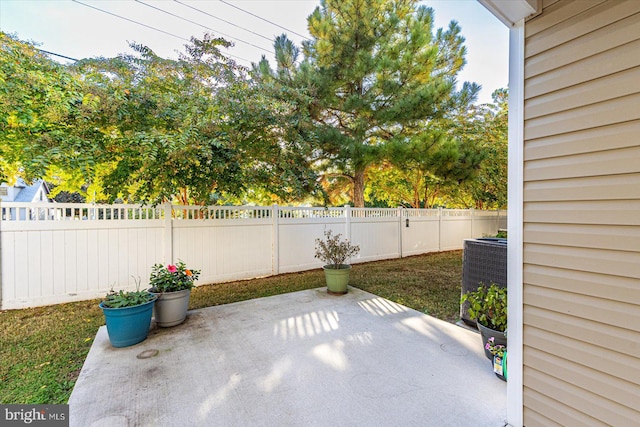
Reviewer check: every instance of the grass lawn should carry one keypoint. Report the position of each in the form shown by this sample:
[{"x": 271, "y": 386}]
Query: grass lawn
[{"x": 42, "y": 349}]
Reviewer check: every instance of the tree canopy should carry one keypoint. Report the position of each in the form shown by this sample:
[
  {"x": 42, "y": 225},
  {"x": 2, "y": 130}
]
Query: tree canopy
[
  {"x": 368, "y": 111},
  {"x": 376, "y": 75},
  {"x": 38, "y": 105},
  {"x": 159, "y": 123}
]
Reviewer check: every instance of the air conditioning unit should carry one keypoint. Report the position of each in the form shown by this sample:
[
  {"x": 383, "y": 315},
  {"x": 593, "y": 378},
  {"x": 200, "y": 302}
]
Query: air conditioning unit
[{"x": 483, "y": 261}]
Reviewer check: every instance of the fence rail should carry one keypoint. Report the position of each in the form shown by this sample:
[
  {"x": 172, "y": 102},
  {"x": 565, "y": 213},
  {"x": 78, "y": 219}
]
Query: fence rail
[{"x": 54, "y": 253}]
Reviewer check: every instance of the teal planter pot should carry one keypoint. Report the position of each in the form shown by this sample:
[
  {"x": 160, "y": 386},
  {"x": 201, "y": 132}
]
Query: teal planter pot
[
  {"x": 128, "y": 325},
  {"x": 337, "y": 279}
]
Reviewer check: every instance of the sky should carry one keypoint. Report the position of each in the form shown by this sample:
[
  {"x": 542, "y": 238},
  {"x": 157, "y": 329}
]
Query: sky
[{"x": 77, "y": 29}]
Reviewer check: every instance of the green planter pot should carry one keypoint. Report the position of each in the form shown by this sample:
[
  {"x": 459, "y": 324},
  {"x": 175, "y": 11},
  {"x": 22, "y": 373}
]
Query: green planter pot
[
  {"x": 337, "y": 279},
  {"x": 486, "y": 333},
  {"x": 171, "y": 307},
  {"x": 128, "y": 325}
]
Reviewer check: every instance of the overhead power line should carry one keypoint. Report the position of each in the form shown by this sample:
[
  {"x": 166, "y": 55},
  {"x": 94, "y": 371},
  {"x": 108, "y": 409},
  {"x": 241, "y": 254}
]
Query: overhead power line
[
  {"x": 200, "y": 25},
  {"x": 131, "y": 20},
  {"x": 224, "y": 20},
  {"x": 57, "y": 54},
  {"x": 263, "y": 19},
  {"x": 147, "y": 26}
]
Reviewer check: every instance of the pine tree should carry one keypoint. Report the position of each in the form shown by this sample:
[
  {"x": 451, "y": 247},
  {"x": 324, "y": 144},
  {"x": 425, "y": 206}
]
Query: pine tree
[{"x": 376, "y": 74}]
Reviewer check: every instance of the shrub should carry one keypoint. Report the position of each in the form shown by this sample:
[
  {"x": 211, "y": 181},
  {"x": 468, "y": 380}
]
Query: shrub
[
  {"x": 488, "y": 305},
  {"x": 333, "y": 251}
]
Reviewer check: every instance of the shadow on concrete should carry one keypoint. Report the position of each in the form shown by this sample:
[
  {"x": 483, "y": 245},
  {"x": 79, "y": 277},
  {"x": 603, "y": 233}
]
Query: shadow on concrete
[{"x": 299, "y": 359}]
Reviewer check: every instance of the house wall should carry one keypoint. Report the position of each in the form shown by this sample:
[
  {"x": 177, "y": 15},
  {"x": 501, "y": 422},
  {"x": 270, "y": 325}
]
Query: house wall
[
  {"x": 41, "y": 196},
  {"x": 581, "y": 227},
  {"x": 10, "y": 192}
]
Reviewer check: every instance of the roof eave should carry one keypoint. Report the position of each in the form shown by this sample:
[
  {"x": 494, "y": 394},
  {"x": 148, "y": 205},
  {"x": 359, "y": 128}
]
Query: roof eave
[{"x": 509, "y": 12}]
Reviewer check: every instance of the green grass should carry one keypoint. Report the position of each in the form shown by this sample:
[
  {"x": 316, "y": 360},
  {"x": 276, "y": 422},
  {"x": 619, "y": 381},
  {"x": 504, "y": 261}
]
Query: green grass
[{"x": 42, "y": 349}]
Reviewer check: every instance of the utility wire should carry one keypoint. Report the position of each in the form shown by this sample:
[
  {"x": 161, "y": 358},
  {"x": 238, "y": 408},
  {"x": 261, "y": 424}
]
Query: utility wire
[
  {"x": 57, "y": 54},
  {"x": 131, "y": 20},
  {"x": 224, "y": 20},
  {"x": 265, "y": 20},
  {"x": 147, "y": 26},
  {"x": 200, "y": 25}
]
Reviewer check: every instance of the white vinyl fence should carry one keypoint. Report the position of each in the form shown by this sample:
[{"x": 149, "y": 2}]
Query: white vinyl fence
[{"x": 56, "y": 252}]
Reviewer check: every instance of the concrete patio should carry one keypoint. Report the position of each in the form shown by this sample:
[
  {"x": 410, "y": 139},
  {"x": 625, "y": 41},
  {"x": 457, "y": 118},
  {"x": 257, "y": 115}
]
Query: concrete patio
[{"x": 299, "y": 359}]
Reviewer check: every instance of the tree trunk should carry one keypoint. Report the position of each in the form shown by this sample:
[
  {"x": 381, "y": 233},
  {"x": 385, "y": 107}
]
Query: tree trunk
[
  {"x": 358, "y": 189},
  {"x": 183, "y": 196}
]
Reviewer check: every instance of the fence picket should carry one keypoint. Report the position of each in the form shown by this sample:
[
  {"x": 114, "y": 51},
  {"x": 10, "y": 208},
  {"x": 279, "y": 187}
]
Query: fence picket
[{"x": 54, "y": 253}]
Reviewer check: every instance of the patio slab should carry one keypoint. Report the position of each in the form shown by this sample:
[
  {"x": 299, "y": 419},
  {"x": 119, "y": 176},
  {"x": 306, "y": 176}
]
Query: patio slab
[{"x": 299, "y": 359}]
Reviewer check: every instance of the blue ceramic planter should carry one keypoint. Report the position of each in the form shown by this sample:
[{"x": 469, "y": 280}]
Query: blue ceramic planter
[{"x": 128, "y": 325}]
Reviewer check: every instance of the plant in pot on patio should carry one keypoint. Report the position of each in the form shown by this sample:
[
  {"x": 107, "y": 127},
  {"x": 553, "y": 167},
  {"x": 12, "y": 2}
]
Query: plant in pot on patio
[
  {"x": 128, "y": 316},
  {"x": 172, "y": 284},
  {"x": 499, "y": 353},
  {"x": 334, "y": 251},
  {"x": 488, "y": 306}
]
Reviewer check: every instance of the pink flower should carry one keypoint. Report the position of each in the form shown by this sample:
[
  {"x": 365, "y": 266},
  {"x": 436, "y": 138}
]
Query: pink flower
[{"x": 172, "y": 268}]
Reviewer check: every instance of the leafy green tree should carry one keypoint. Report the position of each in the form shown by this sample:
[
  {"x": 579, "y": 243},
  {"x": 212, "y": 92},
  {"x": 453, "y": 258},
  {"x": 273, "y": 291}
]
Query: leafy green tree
[
  {"x": 193, "y": 130},
  {"x": 488, "y": 131},
  {"x": 372, "y": 72},
  {"x": 39, "y": 104},
  {"x": 463, "y": 164},
  {"x": 273, "y": 146},
  {"x": 156, "y": 124},
  {"x": 435, "y": 156}
]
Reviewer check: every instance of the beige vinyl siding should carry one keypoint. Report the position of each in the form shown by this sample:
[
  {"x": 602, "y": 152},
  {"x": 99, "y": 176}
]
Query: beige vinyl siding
[{"x": 581, "y": 251}]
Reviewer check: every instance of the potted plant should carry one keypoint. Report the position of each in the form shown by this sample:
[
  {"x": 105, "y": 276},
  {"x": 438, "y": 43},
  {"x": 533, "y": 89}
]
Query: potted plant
[
  {"x": 499, "y": 353},
  {"x": 334, "y": 251},
  {"x": 172, "y": 284},
  {"x": 488, "y": 306},
  {"x": 128, "y": 316}
]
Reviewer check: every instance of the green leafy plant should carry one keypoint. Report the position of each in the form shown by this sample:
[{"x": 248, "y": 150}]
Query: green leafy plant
[
  {"x": 172, "y": 278},
  {"x": 333, "y": 250},
  {"x": 123, "y": 299},
  {"x": 488, "y": 305}
]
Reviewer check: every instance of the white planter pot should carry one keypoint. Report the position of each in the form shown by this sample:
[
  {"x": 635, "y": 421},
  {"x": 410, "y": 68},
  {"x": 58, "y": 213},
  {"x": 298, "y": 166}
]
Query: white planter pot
[{"x": 171, "y": 308}]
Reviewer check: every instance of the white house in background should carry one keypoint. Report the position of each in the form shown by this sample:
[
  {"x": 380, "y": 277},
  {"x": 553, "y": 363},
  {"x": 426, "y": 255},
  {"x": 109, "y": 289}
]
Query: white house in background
[
  {"x": 21, "y": 192},
  {"x": 24, "y": 193}
]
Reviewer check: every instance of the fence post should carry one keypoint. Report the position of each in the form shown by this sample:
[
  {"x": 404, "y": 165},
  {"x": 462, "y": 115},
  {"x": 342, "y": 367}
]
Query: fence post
[
  {"x": 439, "y": 228},
  {"x": 168, "y": 234},
  {"x": 275, "y": 250},
  {"x": 347, "y": 214},
  {"x": 471, "y": 212},
  {"x": 400, "y": 248}
]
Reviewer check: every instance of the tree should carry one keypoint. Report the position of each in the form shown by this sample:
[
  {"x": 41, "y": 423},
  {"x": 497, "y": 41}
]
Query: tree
[
  {"x": 372, "y": 73},
  {"x": 463, "y": 164},
  {"x": 192, "y": 129},
  {"x": 39, "y": 104},
  {"x": 157, "y": 125},
  {"x": 435, "y": 155},
  {"x": 490, "y": 132},
  {"x": 273, "y": 145}
]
